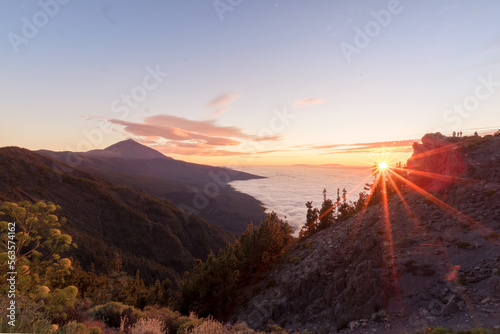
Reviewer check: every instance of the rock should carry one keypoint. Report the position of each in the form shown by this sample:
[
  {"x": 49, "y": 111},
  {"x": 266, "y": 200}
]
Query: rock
[
  {"x": 485, "y": 300},
  {"x": 353, "y": 324},
  {"x": 444, "y": 161},
  {"x": 379, "y": 316},
  {"x": 450, "y": 308}
]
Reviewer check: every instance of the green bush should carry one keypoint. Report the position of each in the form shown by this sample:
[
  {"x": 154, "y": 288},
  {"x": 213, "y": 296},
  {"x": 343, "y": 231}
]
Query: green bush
[
  {"x": 112, "y": 312},
  {"x": 74, "y": 328},
  {"x": 30, "y": 318},
  {"x": 188, "y": 323}
]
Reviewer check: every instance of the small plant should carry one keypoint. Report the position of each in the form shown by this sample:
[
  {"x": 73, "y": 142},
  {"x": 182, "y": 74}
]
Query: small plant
[
  {"x": 309, "y": 244},
  {"x": 478, "y": 330},
  {"x": 490, "y": 192},
  {"x": 271, "y": 284},
  {"x": 441, "y": 330},
  {"x": 293, "y": 260},
  {"x": 463, "y": 245}
]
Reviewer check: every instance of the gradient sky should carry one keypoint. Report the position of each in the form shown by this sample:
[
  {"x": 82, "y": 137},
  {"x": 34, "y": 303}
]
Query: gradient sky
[{"x": 249, "y": 81}]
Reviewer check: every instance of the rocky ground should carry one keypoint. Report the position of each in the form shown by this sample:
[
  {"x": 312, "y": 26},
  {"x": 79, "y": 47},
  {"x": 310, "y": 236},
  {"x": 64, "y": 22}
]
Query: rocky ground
[{"x": 431, "y": 264}]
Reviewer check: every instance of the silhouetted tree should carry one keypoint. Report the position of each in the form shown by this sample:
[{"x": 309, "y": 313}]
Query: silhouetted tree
[
  {"x": 311, "y": 217},
  {"x": 326, "y": 213}
]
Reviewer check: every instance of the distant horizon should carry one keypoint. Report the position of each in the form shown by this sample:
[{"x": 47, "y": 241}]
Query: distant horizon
[{"x": 370, "y": 158}]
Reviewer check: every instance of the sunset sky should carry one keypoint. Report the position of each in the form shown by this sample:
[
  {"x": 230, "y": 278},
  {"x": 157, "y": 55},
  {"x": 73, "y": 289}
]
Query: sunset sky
[{"x": 248, "y": 81}]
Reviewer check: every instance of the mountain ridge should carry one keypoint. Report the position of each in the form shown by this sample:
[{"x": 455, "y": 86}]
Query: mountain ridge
[{"x": 151, "y": 234}]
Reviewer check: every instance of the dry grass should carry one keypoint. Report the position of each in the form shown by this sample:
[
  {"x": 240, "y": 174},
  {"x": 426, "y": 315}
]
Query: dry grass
[
  {"x": 148, "y": 326},
  {"x": 209, "y": 326}
]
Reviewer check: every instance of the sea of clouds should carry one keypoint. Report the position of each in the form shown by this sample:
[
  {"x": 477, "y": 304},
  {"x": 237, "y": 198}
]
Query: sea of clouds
[{"x": 285, "y": 190}]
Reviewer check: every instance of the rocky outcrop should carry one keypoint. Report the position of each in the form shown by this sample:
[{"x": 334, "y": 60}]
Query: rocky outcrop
[
  {"x": 428, "y": 265},
  {"x": 439, "y": 155}
]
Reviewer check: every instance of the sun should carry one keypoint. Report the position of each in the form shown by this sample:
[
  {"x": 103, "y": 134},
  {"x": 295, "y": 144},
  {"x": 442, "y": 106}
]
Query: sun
[{"x": 382, "y": 165}]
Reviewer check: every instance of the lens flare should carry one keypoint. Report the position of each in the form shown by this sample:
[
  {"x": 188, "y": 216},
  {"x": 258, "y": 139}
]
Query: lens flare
[{"x": 382, "y": 165}]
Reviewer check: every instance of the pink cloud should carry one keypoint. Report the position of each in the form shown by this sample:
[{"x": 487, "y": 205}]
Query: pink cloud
[
  {"x": 207, "y": 127},
  {"x": 172, "y": 133},
  {"x": 222, "y": 100},
  {"x": 268, "y": 138},
  {"x": 188, "y": 137},
  {"x": 221, "y": 103},
  {"x": 308, "y": 102}
]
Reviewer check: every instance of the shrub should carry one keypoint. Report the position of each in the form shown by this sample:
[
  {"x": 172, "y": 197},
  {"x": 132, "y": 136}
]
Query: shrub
[
  {"x": 478, "y": 330},
  {"x": 170, "y": 318},
  {"x": 309, "y": 244},
  {"x": 463, "y": 244},
  {"x": 148, "y": 326},
  {"x": 241, "y": 327},
  {"x": 189, "y": 324},
  {"x": 208, "y": 326},
  {"x": 441, "y": 330},
  {"x": 74, "y": 328},
  {"x": 112, "y": 312},
  {"x": 29, "y": 319}
]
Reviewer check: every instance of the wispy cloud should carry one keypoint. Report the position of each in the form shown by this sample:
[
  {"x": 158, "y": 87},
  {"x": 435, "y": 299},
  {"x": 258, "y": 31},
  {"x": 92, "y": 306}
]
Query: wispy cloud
[
  {"x": 88, "y": 117},
  {"x": 389, "y": 146},
  {"x": 221, "y": 103},
  {"x": 308, "y": 102}
]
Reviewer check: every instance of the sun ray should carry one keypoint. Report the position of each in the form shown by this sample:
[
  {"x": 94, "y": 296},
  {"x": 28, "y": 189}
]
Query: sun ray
[
  {"x": 434, "y": 175},
  {"x": 445, "y": 207},
  {"x": 405, "y": 204}
]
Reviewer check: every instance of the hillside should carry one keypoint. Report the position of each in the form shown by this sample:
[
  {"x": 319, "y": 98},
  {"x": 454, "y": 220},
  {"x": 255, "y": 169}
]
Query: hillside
[
  {"x": 196, "y": 188},
  {"x": 151, "y": 234},
  {"x": 435, "y": 261}
]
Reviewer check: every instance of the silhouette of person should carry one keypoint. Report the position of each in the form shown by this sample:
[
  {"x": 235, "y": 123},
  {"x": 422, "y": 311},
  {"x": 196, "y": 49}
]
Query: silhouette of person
[{"x": 454, "y": 134}]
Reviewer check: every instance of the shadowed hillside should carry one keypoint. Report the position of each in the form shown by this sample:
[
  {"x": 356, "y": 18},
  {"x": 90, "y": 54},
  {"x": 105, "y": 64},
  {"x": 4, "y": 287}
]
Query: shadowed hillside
[
  {"x": 150, "y": 233},
  {"x": 196, "y": 188}
]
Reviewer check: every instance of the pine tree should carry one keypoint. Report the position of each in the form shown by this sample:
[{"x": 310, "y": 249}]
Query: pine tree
[
  {"x": 326, "y": 213},
  {"x": 311, "y": 218}
]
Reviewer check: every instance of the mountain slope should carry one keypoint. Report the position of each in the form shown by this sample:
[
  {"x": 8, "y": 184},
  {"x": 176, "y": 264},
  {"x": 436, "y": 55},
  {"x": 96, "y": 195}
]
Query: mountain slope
[
  {"x": 432, "y": 264},
  {"x": 151, "y": 234},
  {"x": 199, "y": 189}
]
